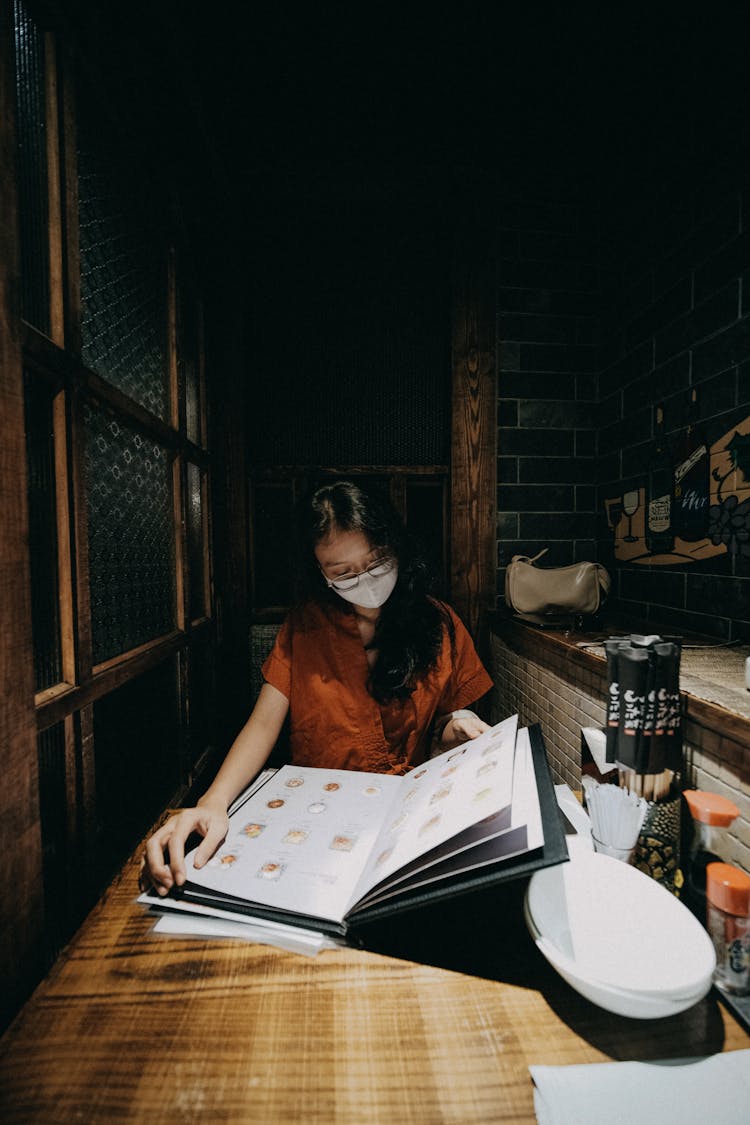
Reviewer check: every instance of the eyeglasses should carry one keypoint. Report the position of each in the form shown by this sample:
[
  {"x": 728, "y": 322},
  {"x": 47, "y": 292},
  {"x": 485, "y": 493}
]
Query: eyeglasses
[{"x": 376, "y": 569}]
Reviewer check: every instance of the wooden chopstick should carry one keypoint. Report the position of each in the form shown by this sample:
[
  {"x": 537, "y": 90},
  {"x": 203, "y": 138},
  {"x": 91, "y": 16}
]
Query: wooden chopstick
[{"x": 651, "y": 786}]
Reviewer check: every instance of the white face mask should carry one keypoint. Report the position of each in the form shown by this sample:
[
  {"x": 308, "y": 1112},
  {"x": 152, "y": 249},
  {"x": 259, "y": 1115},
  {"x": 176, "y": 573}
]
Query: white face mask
[{"x": 372, "y": 590}]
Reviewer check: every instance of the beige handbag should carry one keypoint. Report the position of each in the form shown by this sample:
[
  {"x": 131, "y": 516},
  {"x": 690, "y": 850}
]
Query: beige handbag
[{"x": 550, "y": 596}]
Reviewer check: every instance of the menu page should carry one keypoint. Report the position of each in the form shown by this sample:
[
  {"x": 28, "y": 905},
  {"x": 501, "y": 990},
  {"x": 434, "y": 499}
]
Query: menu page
[
  {"x": 499, "y": 837},
  {"x": 300, "y": 842},
  {"x": 442, "y": 798},
  {"x": 526, "y": 809}
]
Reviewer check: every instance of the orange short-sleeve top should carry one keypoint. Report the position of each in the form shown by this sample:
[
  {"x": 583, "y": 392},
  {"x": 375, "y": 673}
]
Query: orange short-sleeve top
[{"x": 319, "y": 663}]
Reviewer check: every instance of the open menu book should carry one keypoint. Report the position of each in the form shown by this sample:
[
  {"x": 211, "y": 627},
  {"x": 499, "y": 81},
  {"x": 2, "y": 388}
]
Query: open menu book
[{"x": 331, "y": 849}]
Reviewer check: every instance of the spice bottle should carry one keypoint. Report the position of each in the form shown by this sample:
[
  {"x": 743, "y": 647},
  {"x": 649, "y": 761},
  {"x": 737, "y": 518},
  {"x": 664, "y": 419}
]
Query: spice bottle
[
  {"x": 712, "y": 814},
  {"x": 728, "y": 915}
]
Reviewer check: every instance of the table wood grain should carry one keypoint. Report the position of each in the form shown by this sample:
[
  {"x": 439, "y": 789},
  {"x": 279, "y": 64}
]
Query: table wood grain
[{"x": 134, "y": 1026}]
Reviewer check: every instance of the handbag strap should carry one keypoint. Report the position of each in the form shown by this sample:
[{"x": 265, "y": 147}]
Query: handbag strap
[
  {"x": 605, "y": 578},
  {"x": 526, "y": 559}
]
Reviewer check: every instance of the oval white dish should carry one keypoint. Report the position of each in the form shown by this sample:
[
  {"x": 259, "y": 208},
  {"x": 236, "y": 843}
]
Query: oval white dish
[{"x": 618, "y": 937}]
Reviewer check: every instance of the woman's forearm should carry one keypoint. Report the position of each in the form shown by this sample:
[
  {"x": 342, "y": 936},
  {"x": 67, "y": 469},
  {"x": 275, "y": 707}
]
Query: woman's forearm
[
  {"x": 165, "y": 850},
  {"x": 250, "y": 750}
]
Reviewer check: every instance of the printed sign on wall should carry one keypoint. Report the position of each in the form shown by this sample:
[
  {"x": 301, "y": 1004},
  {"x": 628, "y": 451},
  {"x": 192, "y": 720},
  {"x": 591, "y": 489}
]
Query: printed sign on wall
[{"x": 695, "y": 509}]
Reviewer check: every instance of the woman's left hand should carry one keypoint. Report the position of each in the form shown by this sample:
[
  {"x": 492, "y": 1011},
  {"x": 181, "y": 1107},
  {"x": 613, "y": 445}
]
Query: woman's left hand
[{"x": 460, "y": 729}]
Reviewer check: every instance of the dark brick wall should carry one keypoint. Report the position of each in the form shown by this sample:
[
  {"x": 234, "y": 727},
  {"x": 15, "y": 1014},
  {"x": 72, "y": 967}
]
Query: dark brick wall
[
  {"x": 677, "y": 315},
  {"x": 600, "y": 316},
  {"x": 547, "y": 335}
]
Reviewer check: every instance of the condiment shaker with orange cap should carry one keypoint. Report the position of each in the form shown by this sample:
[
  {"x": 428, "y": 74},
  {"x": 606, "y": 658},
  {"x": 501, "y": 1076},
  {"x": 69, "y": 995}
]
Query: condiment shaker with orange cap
[
  {"x": 711, "y": 816},
  {"x": 728, "y": 919}
]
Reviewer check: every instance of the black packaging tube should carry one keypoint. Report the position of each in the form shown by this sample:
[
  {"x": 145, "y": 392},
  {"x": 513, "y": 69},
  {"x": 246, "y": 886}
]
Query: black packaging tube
[
  {"x": 633, "y": 668},
  {"x": 612, "y": 648},
  {"x": 673, "y": 729},
  {"x": 662, "y": 657},
  {"x": 646, "y": 749}
]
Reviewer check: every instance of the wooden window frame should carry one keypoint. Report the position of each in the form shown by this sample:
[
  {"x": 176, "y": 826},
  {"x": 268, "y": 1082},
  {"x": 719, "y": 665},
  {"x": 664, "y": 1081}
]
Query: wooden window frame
[{"x": 54, "y": 358}]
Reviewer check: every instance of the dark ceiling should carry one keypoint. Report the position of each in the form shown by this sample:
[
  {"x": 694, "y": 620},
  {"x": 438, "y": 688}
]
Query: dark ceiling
[
  {"x": 558, "y": 92},
  {"x": 271, "y": 102}
]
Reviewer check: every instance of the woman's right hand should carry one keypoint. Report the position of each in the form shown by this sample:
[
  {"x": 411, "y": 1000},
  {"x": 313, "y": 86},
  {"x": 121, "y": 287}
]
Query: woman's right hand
[
  {"x": 164, "y": 861},
  {"x": 165, "y": 850}
]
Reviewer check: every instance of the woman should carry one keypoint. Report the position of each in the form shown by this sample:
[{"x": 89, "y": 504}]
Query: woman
[{"x": 375, "y": 673}]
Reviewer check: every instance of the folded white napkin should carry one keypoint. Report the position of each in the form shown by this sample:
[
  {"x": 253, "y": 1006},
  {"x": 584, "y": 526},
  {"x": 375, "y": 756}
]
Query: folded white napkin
[{"x": 713, "y": 1090}]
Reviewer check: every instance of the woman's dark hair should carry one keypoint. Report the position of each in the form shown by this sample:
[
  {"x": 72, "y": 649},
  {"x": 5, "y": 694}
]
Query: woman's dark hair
[{"x": 409, "y": 632}]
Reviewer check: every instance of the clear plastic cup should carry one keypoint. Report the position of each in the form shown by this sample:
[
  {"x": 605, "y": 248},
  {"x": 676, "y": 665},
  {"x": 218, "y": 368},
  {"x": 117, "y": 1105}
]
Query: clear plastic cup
[{"x": 625, "y": 854}]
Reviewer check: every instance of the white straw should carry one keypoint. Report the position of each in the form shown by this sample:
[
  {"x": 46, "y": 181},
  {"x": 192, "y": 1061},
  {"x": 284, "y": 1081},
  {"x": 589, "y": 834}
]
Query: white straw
[{"x": 617, "y": 814}]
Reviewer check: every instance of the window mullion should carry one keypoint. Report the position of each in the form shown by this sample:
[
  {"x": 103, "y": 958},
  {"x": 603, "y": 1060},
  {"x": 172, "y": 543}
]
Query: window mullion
[
  {"x": 64, "y": 556},
  {"x": 71, "y": 279},
  {"x": 80, "y": 532},
  {"x": 54, "y": 196},
  {"x": 182, "y": 584},
  {"x": 175, "y": 381}
]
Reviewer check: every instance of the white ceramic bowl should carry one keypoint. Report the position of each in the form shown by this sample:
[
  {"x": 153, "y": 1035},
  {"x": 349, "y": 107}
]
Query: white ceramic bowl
[{"x": 618, "y": 937}]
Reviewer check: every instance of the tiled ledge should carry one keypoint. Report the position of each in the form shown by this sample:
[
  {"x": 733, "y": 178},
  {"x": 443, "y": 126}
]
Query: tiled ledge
[
  {"x": 711, "y": 676},
  {"x": 559, "y": 679}
]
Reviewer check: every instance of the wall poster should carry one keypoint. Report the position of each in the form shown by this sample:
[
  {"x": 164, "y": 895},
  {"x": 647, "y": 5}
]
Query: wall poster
[{"x": 700, "y": 518}]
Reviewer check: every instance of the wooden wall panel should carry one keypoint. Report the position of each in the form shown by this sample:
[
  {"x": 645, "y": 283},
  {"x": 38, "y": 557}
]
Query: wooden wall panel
[
  {"x": 20, "y": 838},
  {"x": 474, "y": 428},
  {"x": 229, "y": 512}
]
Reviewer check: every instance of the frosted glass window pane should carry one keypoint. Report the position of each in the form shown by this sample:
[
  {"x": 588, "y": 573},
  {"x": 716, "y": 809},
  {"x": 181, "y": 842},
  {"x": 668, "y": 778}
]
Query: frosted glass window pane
[
  {"x": 31, "y": 130},
  {"x": 137, "y": 761},
  {"x": 191, "y": 369},
  {"x": 203, "y": 720},
  {"x": 43, "y": 554},
  {"x": 123, "y": 265},
  {"x": 53, "y": 817},
  {"x": 196, "y": 565},
  {"x": 131, "y": 536}
]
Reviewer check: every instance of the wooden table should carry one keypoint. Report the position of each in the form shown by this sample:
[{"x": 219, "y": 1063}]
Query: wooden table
[{"x": 134, "y": 1026}]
